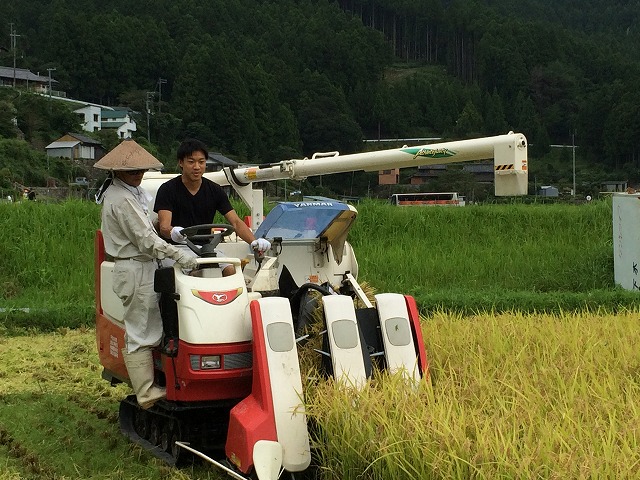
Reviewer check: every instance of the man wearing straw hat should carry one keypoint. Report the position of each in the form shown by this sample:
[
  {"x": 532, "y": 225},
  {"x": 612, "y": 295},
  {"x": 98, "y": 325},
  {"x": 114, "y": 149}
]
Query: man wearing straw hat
[{"x": 130, "y": 238}]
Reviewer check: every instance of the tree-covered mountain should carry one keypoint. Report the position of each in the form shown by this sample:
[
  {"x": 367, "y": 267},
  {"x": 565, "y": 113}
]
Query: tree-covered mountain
[{"x": 266, "y": 80}]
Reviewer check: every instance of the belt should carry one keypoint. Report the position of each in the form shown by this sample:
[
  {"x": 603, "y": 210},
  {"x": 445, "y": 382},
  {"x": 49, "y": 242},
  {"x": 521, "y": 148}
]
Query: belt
[{"x": 135, "y": 259}]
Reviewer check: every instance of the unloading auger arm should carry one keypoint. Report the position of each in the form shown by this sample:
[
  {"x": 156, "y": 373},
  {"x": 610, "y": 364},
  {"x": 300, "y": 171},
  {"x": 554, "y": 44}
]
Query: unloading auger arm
[{"x": 508, "y": 151}]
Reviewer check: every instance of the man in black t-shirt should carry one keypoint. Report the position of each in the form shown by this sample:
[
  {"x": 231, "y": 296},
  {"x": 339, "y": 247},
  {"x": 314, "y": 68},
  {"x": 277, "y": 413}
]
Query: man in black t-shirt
[
  {"x": 189, "y": 209},
  {"x": 190, "y": 199}
]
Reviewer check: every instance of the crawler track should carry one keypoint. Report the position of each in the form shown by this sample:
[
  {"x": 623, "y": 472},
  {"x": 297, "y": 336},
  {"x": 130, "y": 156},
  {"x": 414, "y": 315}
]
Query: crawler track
[{"x": 203, "y": 426}]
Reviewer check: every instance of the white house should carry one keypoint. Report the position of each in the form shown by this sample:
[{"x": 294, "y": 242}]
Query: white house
[
  {"x": 118, "y": 118},
  {"x": 91, "y": 115}
]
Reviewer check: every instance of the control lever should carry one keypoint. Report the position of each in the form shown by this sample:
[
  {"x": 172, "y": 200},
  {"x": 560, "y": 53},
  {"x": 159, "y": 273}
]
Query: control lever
[{"x": 259, "y": 257}]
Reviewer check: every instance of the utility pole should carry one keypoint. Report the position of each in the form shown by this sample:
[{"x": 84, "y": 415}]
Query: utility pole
[
  {"x": 573, "y": 147},
  {"x": 13, "y": 36},
  {"x": 160, "y": 82},
  {"x": 50, "y": 70},
  {"x": 150, "y": 96}
]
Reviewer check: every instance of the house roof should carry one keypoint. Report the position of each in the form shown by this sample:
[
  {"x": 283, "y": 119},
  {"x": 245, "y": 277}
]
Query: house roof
[
  {"x": 439, "y": 166},
  {"x": 85, "y": 139},
  {"x": 220, "y": 159},
  {"x": 24, "y": 74},
  {"x": 114, "y": 113},
  {"x": 79, "y": 138},
  {"x": 479, "y": 168},
  {"x": 65, "y": 144}
]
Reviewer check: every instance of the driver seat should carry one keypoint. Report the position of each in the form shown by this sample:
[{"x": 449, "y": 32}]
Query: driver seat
[{"x": 207, "y": 271}]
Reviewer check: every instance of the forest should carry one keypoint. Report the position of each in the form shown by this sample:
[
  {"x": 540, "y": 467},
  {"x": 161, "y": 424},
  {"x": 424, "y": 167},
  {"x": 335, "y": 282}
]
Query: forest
[{"x": 266, "y": 80}]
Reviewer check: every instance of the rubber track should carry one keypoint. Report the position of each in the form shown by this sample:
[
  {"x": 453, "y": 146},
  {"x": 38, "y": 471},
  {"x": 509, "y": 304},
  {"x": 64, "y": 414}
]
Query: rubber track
[{"x": 203, "y": 426}]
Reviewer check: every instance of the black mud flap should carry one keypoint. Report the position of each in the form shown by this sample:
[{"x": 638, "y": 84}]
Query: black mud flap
[
  {"x": 164, "y": 282},
  {"x": 369, "y": 326}
]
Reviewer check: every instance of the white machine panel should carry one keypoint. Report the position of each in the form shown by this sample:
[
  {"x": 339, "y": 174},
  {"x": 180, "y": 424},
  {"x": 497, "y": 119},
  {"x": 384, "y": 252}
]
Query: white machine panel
[
  {"x": 626, "y": 240},
  {"x": 344, "y": 340},
  {"x": 286, "y": 383},
  {"x": 111, "y": 303},
  {"x": 205, "y": 307},
  {"x": 399, "y": 350}
]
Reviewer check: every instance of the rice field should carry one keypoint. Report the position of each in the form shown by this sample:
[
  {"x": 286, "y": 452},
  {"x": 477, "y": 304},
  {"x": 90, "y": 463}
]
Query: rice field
[
  {"x": 534, "y": 365},
  {"x": 509, "y": 396}
]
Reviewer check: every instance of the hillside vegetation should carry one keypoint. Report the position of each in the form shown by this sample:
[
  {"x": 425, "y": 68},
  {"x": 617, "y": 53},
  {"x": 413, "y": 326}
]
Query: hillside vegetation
[{"x": 267, "y": 80}]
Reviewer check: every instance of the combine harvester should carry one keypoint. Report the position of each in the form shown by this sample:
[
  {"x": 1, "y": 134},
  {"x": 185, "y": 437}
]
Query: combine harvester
[{"x": 229, "y": 359}]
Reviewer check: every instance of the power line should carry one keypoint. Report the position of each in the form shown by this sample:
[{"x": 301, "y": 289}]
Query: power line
[{"x": 149, "y": 99}]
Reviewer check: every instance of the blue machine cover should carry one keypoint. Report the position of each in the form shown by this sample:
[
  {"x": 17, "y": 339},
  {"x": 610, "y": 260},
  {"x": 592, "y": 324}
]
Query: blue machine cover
[{"x": 300, "y": 219}]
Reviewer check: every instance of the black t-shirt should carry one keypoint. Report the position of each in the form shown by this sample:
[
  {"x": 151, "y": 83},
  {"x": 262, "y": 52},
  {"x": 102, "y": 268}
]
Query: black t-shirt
[{"x": 187, "y": 209}]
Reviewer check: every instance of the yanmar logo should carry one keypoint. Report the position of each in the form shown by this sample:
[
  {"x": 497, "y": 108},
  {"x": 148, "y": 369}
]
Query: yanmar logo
[
  {"x": 313, "y": 204},
  {"x": 218, "y": 298}
]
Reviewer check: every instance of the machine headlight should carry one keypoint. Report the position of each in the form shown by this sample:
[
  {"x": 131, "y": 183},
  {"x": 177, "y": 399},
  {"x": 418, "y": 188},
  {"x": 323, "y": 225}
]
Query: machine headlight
[
  {"x": 210, "y": 362},
  {"x": 204, "y": 362}
]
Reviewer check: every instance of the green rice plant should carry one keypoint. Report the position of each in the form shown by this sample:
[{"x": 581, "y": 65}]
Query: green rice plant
[
  {"x": 531, "y": 257},
  {"x": 47, "y": 275},
  {"x": 486, "y": 256},
  {"x": 47, "y": 262},
  {"x": 518, "y": 247},
  {"x": 47, "y": 249}
]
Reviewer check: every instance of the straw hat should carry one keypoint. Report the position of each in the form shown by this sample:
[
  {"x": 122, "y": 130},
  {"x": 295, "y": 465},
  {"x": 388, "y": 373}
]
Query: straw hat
[{"x": 128, "y": 155}]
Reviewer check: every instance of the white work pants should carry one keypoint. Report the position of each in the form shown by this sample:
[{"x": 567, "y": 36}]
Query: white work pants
[{"x": 133, "y": 284}]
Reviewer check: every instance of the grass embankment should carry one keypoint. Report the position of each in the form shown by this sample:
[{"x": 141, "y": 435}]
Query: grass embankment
[{"x": 545, "y": 258}]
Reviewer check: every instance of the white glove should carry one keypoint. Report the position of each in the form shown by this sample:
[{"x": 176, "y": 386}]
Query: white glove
[
  {"x": 261, "y": 244},
  {"x": 176, "y": 236},
  {"x": 188, "y": 262}
]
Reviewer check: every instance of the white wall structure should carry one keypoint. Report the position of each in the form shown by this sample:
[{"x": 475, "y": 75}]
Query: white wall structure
[
  {"x": 91, "y": 115},
  {"x": 626, "y": 238}
]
